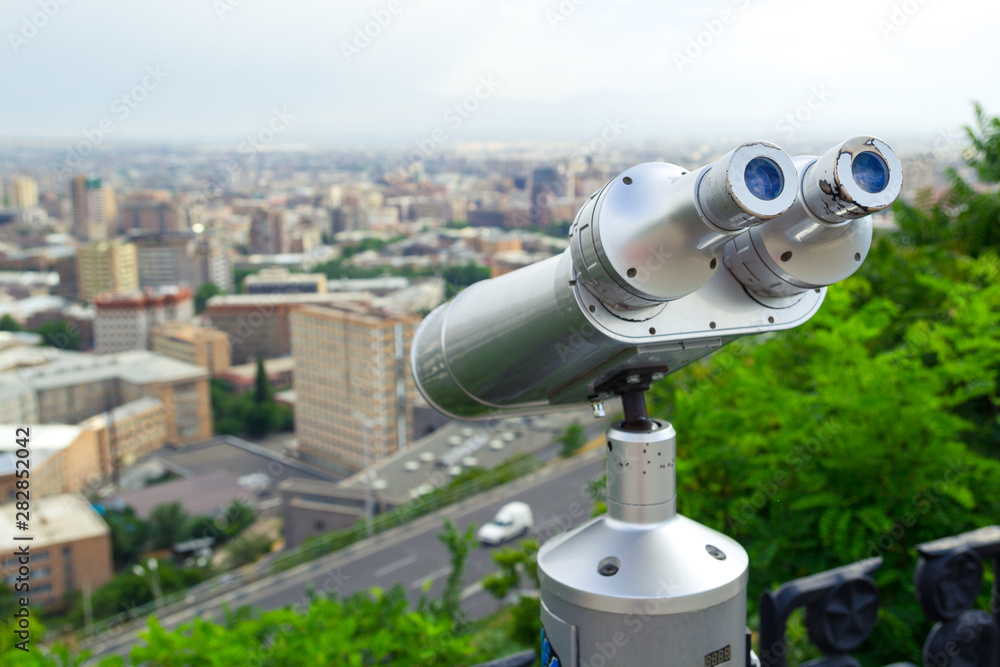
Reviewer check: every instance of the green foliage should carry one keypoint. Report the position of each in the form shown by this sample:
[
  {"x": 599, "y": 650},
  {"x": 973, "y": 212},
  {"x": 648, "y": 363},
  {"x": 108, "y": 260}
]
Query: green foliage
[
  {"x": 8, "y": 601},
  {"x": 370, "y": 243},
  {"x": 169, "y": 524},
  {"x": 128, "y": 590},
  {"x": 371, "y": 628},
  {"x": 204, "y": 293},
  {"x": 559, "y": 230},
  {"x": 242, "y": 414},
  {"x": 129, "y": 535},
  {"x": 597, "y": 489},
  {"x": 870, "y": 429},
  {"x": 516, "y": 564},
  {"x": 247, "y": 549},
  {"x": 456, "y": 277},
  {"x": 8, "y": 323},
  {"x": 526, "y": 621},
  {"x": 60, "y": 334},
  {"x": 459, "y": 545},
  {"x": 261, "y": 388},
  {"x": 224, "y": 527},
  {"x": 459, "y": 277},
  {"x": 239, "y": 275},
  {"x": 572, "y": 439},
  {"x": 985, "y": 152}
]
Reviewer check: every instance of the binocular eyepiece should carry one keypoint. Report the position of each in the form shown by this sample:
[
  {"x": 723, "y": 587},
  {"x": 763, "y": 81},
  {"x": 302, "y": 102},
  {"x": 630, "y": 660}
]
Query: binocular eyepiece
[
  {"x": 697, "y": 216},
  {"x": 664, "y": 266}
]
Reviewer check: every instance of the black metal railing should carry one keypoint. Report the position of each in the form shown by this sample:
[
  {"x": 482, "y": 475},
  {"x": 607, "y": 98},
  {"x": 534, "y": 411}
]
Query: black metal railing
[{"x": 842, "y": 605}]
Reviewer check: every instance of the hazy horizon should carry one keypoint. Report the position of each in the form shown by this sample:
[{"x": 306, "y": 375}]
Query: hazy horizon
[{"x": 447, "y": 73}]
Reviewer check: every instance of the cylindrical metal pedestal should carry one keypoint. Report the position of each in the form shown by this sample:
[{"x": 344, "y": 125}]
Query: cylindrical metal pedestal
[{"x": 643, "y": 585}]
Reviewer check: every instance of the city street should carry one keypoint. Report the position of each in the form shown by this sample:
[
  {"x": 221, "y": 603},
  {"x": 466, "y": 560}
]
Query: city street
[{"x": 411, "y": 554}]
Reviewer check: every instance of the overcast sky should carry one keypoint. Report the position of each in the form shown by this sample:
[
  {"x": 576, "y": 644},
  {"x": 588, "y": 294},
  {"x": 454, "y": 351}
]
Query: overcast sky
[{"x": 542, "y": 70}]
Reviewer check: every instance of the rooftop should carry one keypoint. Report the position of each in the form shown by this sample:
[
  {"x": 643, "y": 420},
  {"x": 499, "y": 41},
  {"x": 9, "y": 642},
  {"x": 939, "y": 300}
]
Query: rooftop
[
  {"x": 143, "y": 299},
  {"x": 209, "y": 493},
  {"x": 251, "y": 300},
  {"x": 358, "y": 313},
  {"x": 368, "y": 284},
  {"x": 54, "y": 520},
  {"x": 45, "y": 441},
  {"x": 271, "y": 367},
  {"x": 135, "y": 366},
  {"x": 22, "y": 309},
  {"x": 29, "y": 278},
  {"x": 185, "y": 331},
  {"x": 275, "y": 275},
  {"x": 125, "y": 411}
]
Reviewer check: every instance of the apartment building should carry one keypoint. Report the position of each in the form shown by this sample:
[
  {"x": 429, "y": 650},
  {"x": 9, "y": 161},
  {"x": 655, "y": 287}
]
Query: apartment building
[
  {"x": 354, "y": 391},
  {"x": 70, "y": 548}
]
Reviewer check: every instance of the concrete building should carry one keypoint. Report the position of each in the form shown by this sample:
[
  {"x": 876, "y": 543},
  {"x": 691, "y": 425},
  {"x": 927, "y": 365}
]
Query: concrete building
[
  {"x": 380, "y": 286},
  {"x": 547, "y": 185},
  {"x": 181, "y": 258},
  {"x": 207, "y": 347},
  {"x": 166, "y": 259},
  {"x": 22, "y": 284},
  {"x": 95, "y": 209},
  {"x": 70, "y": 549},
  {"x": 153, "y": 211},
  {"x": 18, "y": 404},
  {"x": 125, "y": 321},
  {"x": 62, "y": 259},
  {"x": 267, "y": 232},
  {"x": 354, "y": 391},
  {"x": 72, "y": 387},
  {"x": 107, "y": 266},
  {"x": 214, "y": 265},
  {"x": 257, "y": 324},
  {"x": 71, "y": 458},
  {"x": 281, "y": 281},
  {"x": 64, "y": 459},
  {"x": 22, "y": 192},
  {"x": 312, "y": 507},
  {"x": 280, "y": 374},
  {"x": 129, "y": 432}
]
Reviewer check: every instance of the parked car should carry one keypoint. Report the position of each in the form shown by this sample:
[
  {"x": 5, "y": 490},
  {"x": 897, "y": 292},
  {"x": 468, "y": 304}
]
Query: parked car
[{"x": 512, "y": 521}]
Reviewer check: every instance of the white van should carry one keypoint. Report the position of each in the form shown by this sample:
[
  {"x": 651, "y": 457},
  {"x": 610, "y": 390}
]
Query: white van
[{"x": 513, "y": 520}]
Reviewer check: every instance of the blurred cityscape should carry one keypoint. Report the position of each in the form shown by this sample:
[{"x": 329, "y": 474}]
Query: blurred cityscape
[{"x": 198, "y": 330}]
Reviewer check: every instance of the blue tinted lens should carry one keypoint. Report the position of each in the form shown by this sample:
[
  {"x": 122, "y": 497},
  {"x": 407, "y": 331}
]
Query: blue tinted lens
[
  {"x": 870, "y": 172},
  {"x": 763, "y": 178}
]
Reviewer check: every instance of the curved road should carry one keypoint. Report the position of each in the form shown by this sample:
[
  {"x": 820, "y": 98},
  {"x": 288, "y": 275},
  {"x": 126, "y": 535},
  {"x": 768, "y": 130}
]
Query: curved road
[{"x": 411, "y": 554}]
